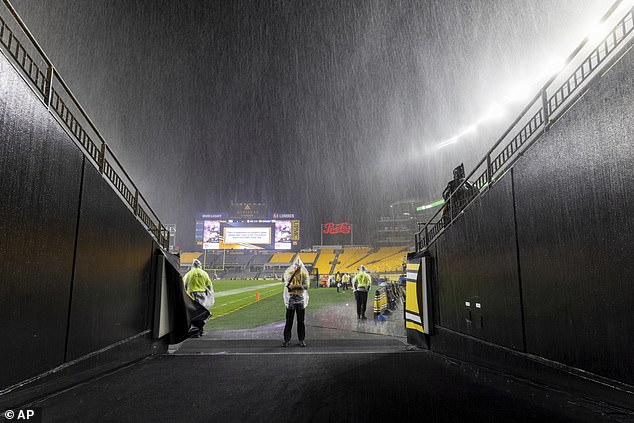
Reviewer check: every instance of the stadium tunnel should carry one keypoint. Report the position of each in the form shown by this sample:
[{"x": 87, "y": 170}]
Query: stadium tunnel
[{"x": 514, "y": 286}]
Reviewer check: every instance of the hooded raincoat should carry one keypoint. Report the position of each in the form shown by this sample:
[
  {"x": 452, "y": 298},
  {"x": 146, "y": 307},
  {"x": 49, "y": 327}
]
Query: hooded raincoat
[{"x": 296, "y": 283}]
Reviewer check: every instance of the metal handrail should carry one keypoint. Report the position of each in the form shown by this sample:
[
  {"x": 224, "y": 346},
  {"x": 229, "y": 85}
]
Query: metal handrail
[
  {"x": 53, "y": 91},
  {"x": 538, "y": 122}
]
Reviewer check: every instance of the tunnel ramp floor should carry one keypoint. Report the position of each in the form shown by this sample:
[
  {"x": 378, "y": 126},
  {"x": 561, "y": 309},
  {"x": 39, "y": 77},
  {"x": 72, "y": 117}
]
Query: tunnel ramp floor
[
  {"x": 352, "y": 371},
  {"x": 204, "y": 346},
  {"x": 365, "y": 387}
]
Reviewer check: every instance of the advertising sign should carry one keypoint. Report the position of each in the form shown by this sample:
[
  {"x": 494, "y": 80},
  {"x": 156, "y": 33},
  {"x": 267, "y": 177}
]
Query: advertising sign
[{"x": 336, "y": 233}]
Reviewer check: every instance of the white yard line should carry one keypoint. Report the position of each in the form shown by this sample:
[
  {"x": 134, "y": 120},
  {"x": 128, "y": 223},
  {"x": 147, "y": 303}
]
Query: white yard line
[{"x": 247, "y": 289}]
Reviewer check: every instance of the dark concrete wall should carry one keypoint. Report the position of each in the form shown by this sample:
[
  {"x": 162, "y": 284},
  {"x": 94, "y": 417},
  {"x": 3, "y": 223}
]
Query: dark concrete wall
[
  {"x": 575, "y": 218},
  {"x": 75, "y": 264},
  {"x": 569, "y": 205},
  {"x": 477, "y": 263},
  {"x": 112, "y": 273},
  {"x": 40, "y": 177}
]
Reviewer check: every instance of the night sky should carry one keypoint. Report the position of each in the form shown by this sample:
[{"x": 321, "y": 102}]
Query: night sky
[{"x": 332, "y": 109}]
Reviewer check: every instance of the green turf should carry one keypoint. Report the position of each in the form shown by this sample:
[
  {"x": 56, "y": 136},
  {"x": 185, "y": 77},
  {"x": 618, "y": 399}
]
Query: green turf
[
  {"x": 229, "y": 297},
  {"x": 241, "y": 311}
]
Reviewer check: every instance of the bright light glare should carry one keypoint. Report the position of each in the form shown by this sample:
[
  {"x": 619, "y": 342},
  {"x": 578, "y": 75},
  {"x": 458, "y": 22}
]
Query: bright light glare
[
  {"x": 552, "y": 67},
  {"x": 467, "y": 130},
  {"x": 448, "y": 142},
  {"x": 521, "y": 91},
  {"x": 470, "y": 129},
  {"x": 597, "y": 33},
  {"x": 600, "y": 29},
  {"x": 518, "y": 92},
  {"x": 494, "y": 112}
]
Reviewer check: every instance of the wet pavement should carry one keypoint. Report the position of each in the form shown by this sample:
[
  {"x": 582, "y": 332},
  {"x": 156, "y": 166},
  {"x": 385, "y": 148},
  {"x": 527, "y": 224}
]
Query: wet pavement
[
  {"x": 325, "y": 328},
  {"x": 351, "y": 371}
]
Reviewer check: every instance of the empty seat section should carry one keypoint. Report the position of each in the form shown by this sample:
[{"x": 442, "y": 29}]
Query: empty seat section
[
  {"x": 282, "y": 257},
  {"x": 308, "y": 258},
  {"x": 237, "y": 259},
  {"x": 187, "y": 258},
  {"x": 262, "y": 258},
  {"x": 324, "y": 262},
  {"x": 350, "y": 259},
  {"x": 386, "y": 259}
]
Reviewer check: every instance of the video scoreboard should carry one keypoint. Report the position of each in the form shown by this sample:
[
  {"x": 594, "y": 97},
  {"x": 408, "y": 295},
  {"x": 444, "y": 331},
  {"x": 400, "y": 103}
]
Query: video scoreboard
[{"x": 215, "y": 231}]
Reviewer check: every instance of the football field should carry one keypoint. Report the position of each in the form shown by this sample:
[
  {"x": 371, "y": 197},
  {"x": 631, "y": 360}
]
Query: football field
[{"x": 236, "y": 306}]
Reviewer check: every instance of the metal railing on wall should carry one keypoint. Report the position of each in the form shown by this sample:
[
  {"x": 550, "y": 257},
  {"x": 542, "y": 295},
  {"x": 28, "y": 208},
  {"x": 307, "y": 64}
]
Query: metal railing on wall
[
  {"x": 556, "y": 96},
  {"x": 29, "y": 59}
]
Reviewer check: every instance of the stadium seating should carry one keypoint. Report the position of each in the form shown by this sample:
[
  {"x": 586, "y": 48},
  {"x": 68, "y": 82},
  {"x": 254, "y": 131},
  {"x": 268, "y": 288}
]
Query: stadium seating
[
  {"x": 267, "y": 264},
  {"x": 237, "y": 259},
  {"x": 324, "y": 260},
  {"x": 262, "y": 258},
  {"x": 308, "y": 258},
  {"x": 386, "y": 259},
  {"x": 187, "y": 258},
  {"x": 350, "y": 259},
  {"x": 379, "y": 260},
  {"x": 282, "y": 258}
]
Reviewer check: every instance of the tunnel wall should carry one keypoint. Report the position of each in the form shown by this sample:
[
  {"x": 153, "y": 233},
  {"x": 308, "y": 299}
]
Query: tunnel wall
[
  {"x": 477, "y": 264},
  {"x": 40, "y": 174},
  {"x": 548, "y": 249},
  {"x": 575, "y": 219},
  {"x": 112, "y": 282},
  {"x": 76, "y": 267}
]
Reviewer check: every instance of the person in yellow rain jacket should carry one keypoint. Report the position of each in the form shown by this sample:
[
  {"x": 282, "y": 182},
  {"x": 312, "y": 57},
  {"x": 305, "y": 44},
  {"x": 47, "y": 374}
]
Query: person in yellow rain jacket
[
  {"x": 199, "y": 287},
  {"x": 361, "y": 283},
  {"x": 345, "y": 280}
]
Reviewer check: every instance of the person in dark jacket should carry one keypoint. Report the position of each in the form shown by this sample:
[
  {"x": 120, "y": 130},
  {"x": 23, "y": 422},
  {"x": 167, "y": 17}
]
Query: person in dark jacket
[{"x": 462, "y": 194}]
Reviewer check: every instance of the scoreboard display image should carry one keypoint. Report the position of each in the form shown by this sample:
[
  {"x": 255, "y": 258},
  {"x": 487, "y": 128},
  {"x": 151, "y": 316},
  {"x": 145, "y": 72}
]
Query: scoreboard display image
[{"x": 220, "y": 234}]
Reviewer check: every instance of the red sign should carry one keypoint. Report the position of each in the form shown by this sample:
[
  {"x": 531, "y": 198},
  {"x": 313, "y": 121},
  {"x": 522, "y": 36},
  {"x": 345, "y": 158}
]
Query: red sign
[{"x": 336, "y": 228}]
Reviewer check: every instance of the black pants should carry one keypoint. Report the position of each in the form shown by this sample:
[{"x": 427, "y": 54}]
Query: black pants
[
  {"x": 362, "y": 298},
  {"x": 290, "y": 314},
  {"x": 199, "y": 321}
]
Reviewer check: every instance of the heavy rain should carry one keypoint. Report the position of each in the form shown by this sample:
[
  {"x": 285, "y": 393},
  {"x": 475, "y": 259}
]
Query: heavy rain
[
  {"x": 329, "y": 109},
  {"x": 501, "y": 293}
]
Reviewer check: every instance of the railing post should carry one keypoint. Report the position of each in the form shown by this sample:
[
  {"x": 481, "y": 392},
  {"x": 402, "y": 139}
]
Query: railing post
[
  {"x": 489, "y": 171},
  {"x": 545, "y": 108},
  {"x": 426, "y": 235},
  {"x": 49, "y": 85},
  {"x": 136, "y": 202},
  {"x": 167, "y": 239},
  {"x": 102, "y": 157}
]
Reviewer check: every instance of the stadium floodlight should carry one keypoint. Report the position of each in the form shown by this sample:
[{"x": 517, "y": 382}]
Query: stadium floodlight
[
  {"x": 521, "y": 91},
  {"x": 600, "y": 29}
]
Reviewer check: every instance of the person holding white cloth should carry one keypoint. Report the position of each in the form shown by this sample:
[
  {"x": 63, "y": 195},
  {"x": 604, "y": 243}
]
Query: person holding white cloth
[{"x": 296, "y": 282}]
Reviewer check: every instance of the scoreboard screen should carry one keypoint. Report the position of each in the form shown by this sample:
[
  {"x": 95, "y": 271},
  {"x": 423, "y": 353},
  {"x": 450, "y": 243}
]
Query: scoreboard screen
[{"x": 273, "y": 234}]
